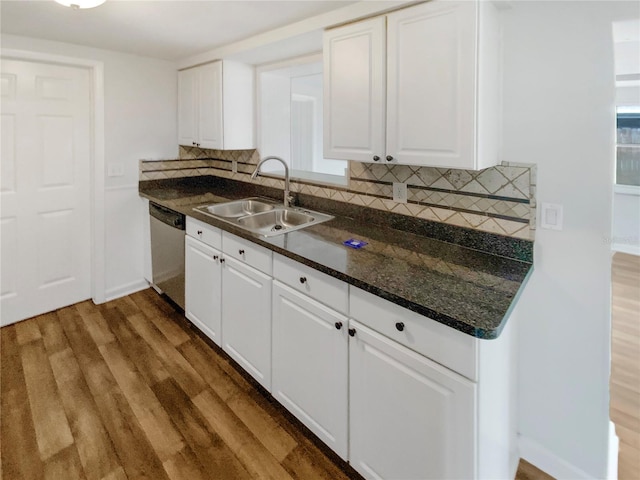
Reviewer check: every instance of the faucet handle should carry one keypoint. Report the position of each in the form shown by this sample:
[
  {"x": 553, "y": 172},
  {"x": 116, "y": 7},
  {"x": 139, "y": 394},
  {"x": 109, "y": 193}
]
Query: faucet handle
[{"x": 291, "y": 200}]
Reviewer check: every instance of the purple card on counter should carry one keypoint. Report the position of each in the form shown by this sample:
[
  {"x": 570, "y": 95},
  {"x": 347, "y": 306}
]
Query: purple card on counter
[{"x": 353, "y": 243}]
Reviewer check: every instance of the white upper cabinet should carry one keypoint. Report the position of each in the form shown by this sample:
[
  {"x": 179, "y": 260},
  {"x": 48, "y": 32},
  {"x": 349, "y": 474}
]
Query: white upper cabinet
[
  {"x": 210, "y": 108},
  {"x": 188, "y": 107},
  {"x": 215, "y": 106},
  {"x": 440, "y": 103},
  {"x": 354, "y": 90}
]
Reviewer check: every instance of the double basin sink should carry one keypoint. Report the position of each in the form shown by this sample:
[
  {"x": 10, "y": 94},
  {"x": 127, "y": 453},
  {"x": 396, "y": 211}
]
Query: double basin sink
[{"x": 262, "y": 216}]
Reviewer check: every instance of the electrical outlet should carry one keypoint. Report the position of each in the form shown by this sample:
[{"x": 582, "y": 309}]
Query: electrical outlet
[
  {"x": 234, "y": 166},
  {"x": 399, "y": 192}
]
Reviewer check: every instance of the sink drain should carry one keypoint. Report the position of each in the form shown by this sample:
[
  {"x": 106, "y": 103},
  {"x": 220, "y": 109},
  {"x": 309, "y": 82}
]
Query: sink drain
[{"x": 276, "y": 228}]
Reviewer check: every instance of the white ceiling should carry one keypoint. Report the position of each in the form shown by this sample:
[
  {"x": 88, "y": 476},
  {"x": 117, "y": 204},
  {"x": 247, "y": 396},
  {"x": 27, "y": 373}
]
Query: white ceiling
[{"x": 167, "y": 29}]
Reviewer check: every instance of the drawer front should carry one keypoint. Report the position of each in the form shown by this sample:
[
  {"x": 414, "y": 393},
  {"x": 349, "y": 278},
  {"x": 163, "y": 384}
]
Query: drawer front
[
  {"x": 317, "y": 285},
  {"x": 442, "y": 344},
  {"x": 247, "y": 252},
  {"x": 212, "y": 236}
]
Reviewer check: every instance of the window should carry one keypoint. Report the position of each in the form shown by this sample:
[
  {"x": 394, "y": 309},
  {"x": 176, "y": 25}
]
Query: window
[
  {"x": 628, "y": 146},
  {"x": 290, "y": 120}
]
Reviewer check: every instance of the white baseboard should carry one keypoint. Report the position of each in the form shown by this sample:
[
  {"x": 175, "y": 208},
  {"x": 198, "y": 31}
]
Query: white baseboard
[
  {"x": 626, "y": 248},
  {"x": 547, "y": 461},
  {"x": 614, "y": 448},
  {"x": 124, "y": 290}
]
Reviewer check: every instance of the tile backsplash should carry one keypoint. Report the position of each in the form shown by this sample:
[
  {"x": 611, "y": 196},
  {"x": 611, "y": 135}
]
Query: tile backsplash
[{"x": 500, "y": 199}]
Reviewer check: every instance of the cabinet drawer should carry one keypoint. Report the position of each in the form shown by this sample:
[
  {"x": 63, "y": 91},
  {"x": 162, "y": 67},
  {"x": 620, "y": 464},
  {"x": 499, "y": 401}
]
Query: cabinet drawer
[
  {"x": 205, "y": 233},
  {"x": 317, "y": 285},
  {"x": 247, "y": 252},
  {"x": 442, "y": 344}
]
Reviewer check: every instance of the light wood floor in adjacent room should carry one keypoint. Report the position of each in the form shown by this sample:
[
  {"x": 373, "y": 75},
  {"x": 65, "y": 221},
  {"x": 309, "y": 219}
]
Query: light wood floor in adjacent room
[
  {"x": 129, "y": 390},
  {"x": 625, "y": 362}
]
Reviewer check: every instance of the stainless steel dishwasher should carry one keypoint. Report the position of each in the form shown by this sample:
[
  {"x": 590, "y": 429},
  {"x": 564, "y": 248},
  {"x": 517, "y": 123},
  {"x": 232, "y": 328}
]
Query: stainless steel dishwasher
[{"x": 167, "y": 252}]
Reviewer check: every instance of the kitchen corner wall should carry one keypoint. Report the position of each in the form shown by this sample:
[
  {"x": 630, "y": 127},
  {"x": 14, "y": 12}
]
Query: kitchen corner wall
[{"x": 498, "y": 200}]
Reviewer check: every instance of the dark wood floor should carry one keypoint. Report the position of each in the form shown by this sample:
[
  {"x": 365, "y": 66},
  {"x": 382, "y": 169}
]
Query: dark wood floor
[
  {"x": 128, "y": 389},
  {"x": 625, "y": 362}
]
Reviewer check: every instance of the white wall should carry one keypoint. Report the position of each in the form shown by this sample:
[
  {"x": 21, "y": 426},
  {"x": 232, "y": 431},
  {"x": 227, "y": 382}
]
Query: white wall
[
  {"x": 275, "y": 118},
  {"x": 140, "y": 123},
  {"x": 626, "y": 200},
  {"x": 626, "y": 220},
  {"x": 559, "y": 112}
]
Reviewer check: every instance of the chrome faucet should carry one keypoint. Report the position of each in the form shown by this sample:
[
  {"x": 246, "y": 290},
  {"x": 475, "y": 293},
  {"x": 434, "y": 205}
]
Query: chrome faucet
[{"x": 287, "y": 197}]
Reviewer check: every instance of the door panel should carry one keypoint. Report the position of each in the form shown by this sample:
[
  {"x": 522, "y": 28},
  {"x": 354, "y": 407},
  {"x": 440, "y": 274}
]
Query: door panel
[
  {"x": 45, "y": 170},
  {"x": 8, "y": 259},
  {"x": 354, "y": 91},
  {"x": 55, "y": 138},
  {"x": 203, "y": 290},
  {"x": 246, "y": 318},
  {"x": 310, "y": 364},
  {"x": 8, "y": 179},
  {"x": 210, "y": 113},
  {"x": 409, "y": 417},
  {"x": 187, "y": 107},
  {"x": 431, "y": 84},
  {"x": 55, "y": 260}
]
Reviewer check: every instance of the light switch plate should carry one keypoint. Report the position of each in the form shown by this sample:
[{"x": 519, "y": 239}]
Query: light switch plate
[
  {"x": 399, "y": 192},
  {"x": 115, "y": 169},
  {"x": 551, "y": 216}
]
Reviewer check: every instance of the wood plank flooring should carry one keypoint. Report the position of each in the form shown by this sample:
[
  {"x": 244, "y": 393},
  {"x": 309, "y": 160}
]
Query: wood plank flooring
[
  {"x": 625, "y": 362},
  {"x": 131, "y": 390}
]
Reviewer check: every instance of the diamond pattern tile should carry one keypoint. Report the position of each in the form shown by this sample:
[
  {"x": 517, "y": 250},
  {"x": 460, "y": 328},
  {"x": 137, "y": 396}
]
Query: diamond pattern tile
[
  {"x": 461, "y": 190},
  {"x": 458, "y": 178},
  {"x": 474, "y": 187},
  {"x": 492, "y": 180}
]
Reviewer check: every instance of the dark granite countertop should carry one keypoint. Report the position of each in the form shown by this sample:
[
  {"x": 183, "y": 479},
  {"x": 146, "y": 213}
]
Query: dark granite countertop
[{"x": 467, "y": 289}]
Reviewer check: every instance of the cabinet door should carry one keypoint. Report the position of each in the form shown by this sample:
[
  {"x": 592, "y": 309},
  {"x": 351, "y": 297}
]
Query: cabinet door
[
  {"x": 310, "y": 364},
  {"x": 188, "y": 107},
  {"x": 431, "y": 79},
  {"x": 210, "y": 114},
  {"x": 203, "y": 277},
  {"x": 246, "y": 318},
  {"x": 409, "y": 417},
  {"x": 354, "y": 91}
]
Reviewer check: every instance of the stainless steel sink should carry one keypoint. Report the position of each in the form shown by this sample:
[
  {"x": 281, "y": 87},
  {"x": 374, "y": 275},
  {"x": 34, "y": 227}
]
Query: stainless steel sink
[
  {"x": 262, "y": 216},
  {"x": 239, "y": 208}
]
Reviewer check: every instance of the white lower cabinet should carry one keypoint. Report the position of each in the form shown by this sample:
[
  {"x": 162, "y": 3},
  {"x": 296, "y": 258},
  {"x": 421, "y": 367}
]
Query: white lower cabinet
[
  {"x": 409, "y": 418},
  {"x": 246, "y": 318},
  {"x": 310, "y": 364},
  {"x": 203, "y": 283},
  {"x": 397, "y": 394}
]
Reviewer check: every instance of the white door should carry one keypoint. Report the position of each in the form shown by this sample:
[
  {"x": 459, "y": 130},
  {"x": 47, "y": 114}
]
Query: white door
[
  {"x": 431, "y": 84},
  {"x": 203, "y": 287},
  {"x": 310, "y": 364},
  {"x": 246, "y": 318},
  {"x": 45, "y": 188},
  {"x": 354, "y": 91},
  {"x": 409, "y": 418}
]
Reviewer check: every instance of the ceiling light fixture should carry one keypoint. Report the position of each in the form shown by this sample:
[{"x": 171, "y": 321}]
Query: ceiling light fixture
[{"x": 78, "y": 4}]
